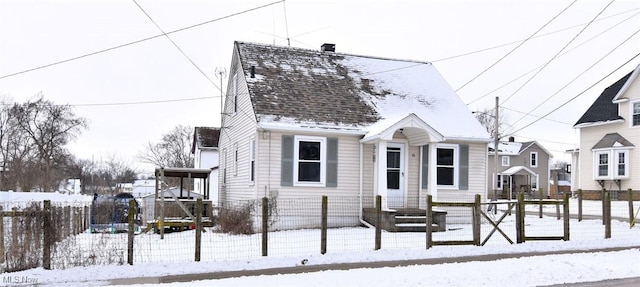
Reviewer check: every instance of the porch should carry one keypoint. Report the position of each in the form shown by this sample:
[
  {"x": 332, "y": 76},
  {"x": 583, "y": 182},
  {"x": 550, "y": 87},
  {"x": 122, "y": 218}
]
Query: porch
[{"x": 406, "y": 219}]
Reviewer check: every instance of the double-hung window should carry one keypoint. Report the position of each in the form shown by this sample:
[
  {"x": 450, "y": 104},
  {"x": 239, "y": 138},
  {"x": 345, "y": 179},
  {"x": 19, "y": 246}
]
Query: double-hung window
[
  {"x": 309, "y": 160},
  {"x": 533, "y": 159},
  {"x": 611, "y": 164},
  {"x": 635, "y": 114},
  {"x": 252, "y": 160},
  {"x": 505, "y": 160},
  {"x": 447, "y": 165}
]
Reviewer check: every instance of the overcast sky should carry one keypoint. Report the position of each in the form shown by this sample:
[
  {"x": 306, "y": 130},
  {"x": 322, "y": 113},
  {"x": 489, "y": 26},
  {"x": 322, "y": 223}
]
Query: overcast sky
[{"x": 132, "y": 94}]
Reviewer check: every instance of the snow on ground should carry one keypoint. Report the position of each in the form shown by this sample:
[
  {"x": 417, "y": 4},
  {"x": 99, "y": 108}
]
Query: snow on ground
[{"x": 524, "y": 271}]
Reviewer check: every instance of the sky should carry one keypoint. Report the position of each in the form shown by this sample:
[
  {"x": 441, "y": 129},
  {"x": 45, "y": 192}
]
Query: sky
[
  {"x": 519, "y": 271},
  {"x": 93, "y": 56}
]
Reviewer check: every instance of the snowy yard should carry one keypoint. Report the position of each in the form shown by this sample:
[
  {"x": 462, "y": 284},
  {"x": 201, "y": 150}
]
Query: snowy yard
[{"x": 223, "y": 252}]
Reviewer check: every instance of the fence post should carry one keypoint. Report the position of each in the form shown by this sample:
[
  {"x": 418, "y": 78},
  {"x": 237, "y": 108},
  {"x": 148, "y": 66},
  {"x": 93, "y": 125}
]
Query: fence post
[
  {"x": 520, "y": 218},
  {"x": 132, "y": 208},
  {"x": 540, "y": 191},
  {"x": 46, "y": 236},
  {"x": 1, "y": 235},
  {"x": 579, "y": 205},
  {"x": 565, "y": 209},
  {"x": 199, "y": 228},
  {"x": 378, "y": 241},
  {"x": 476, "y": 221},
  {"x": 602, "y": 198},
  {"x": 429, "y": 221},
  {"x": 631, "y": 217},
  {"x": 323, "y": 225},
  {"x": 265, "y": 226},
  {"x": 607, "y": 215}
]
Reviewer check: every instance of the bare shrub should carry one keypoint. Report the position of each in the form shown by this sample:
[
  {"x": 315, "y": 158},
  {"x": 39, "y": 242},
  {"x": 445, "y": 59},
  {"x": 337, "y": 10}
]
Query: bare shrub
[{"x": 237, "y": 219}]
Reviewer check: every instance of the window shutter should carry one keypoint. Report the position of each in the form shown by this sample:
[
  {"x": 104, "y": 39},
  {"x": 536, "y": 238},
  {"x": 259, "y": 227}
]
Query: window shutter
[
  {"x": 286, "y": 169},
  {"x": 425, "y": 166},
  {"x": 332, "y": 162},
  {"x": 463, "y": 175}
]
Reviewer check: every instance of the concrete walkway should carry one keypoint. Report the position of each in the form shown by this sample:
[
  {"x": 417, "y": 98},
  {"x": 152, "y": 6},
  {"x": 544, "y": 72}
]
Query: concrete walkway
[{"x": 378, "y": 264}]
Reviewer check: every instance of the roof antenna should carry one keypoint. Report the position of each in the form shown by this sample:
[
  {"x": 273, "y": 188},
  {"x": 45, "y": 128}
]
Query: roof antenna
[{"x": 286, "y": 24}]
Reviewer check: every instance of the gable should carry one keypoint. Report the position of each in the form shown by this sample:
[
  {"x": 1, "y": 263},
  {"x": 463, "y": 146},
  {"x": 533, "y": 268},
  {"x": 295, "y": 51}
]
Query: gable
[
  {"x": 301, "y": 88},
  {"x": 604, "y": 109},
  {"x": 205, "y": 137},
  {"x": 612, "y": 140}
]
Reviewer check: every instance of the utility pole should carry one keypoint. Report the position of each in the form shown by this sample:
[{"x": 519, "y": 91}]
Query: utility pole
[
  {"x": 221, "y": 73},
  {"x": 496, "y": 139}
]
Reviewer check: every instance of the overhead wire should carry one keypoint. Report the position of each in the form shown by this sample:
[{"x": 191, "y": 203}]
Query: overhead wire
[
  {"x": 564, "y": 53},
  {"x": 137, "y": 41},
  {"x": 176, "y": 45},
  {"x": 579, "y": 94},
  {"x": 557, "y": 54},
  {"x": 516, "y": 47},
  {"x": 578, "y": 76}
]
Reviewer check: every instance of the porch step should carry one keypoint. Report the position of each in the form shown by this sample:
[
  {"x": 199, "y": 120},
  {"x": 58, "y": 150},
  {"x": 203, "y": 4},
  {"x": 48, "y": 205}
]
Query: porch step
[{"x": 407, "y": 219}]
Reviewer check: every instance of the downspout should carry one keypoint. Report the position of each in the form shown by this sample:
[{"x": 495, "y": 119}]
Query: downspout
[{"x": 361, "y": 189}]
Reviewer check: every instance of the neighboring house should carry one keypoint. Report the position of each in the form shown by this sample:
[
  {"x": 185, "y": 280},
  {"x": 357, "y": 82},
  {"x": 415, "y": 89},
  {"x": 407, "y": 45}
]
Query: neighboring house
[
  {"x": 522, "y": 166},
  {"x": 305, "y": 123},
  {"x": 206, "y": 156},
  {"x": 608, "y": 156}
]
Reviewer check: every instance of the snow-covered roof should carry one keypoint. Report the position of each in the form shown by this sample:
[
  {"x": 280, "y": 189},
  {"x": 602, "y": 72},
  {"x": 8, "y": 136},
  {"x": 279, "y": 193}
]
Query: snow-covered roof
[{"x": 301, "y": 88}]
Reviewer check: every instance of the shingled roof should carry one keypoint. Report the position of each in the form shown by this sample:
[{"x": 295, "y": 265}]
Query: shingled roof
[
  {"x": 603, "y": 109},
  {"x": 205, "y": 137},
  {"x": 324, "y": 89}
]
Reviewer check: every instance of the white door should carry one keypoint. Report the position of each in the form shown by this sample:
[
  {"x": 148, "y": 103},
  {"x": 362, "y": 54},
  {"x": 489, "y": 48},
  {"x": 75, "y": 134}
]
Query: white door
[{"x": 395, "y": 175}]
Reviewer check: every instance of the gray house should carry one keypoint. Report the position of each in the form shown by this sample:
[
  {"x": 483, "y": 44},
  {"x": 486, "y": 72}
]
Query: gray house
[{"x": 522, "y": 166}]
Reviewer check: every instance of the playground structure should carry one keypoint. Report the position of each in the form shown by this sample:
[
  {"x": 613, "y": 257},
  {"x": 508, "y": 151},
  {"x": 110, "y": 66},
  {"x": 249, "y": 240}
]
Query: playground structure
[
  {"x": 174, "y": 209},
  {"x": 110, "y": 214}
]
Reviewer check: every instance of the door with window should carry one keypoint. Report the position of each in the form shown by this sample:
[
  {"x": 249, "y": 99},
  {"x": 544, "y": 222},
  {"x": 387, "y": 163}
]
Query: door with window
[{"x": 395, "y": 175}]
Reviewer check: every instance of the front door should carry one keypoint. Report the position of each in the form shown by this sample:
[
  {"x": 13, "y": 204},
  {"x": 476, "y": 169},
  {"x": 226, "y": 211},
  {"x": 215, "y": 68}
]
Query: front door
[{"x": 395, "y": 175}]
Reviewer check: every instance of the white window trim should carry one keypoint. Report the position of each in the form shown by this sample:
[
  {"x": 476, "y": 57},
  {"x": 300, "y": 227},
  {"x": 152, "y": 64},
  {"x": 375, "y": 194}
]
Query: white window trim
[
  {"x": 506, "y": 160},
  {"x": 323, "y": 160},
  {"x": 612, "y": 165},
  {"x": 536, "y": 181},
  {"x": 235, "y": 159},
  {"x": 456, "y": 165},
  {"x": 616, "y": 162},
  {"x": 631, "y": 113},
  {"x": 224, "y": 167},
  {"x": 596, "y": 164},
  {"x": 252, "y": 160},
  {"x": 531, "y": 155}
]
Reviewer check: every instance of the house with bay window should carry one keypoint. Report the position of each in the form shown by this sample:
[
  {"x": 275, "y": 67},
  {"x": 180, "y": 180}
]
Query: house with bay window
[
  {"x": 301, "y": 123},
  {"x": 608, "y": 156}
]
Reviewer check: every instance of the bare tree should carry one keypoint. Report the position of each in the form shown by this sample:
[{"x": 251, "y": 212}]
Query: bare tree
[
  {"x": 39, "y": 130},
  {"x": 487, "y": 119},
  {"x": 173, "y": 150}
]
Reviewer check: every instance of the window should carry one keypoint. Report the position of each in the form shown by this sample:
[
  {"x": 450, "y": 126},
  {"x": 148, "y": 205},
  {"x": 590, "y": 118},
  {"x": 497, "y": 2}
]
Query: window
[
  {"x": 505, "y": 160},
  {"x": 534, "y": 182},
  {"x": 533, "y": 159},
  {"x": 393, "y": 167},
  {"x": 611, "y": 164},
  {"x": 234, "y": 91},
  {"x": 224, "y": 167},
  {"x": 446, "y": 164},
  {"x": 603, "y": 164},
  {"x": 252, "y": 159},
  {"x": 235, "y": 159},
  {"x": 635, "y": 114},
  {"x": 622, "y": 168},
  {"x": 309, "y": 160},
  {"x": 499, "y": 182}
]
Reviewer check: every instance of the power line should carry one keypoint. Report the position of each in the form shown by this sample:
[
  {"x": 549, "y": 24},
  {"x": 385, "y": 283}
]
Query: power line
[
  {"x": 516, "y": 47},
  {"x": 578, "y": 76},
  {"x": 176, "y": 45},
  {"x": 137, "y": 41},
  {"x": 557, "y": 54},
  {"x": 581, "y": 93},
  {"x": 564, "y": 53},
  {"x": 141, "y": 102}
]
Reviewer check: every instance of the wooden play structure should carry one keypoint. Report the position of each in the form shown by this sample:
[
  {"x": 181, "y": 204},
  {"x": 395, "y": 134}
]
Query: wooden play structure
[{"x": 174, "y": 209}]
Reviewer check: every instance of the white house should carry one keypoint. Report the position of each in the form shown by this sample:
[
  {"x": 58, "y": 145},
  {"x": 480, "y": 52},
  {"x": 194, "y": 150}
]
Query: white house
[
  {"x": 608, "y": 156},
  {"x": 206, "y": 156},
  {"x": 304, "y": 123}
]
